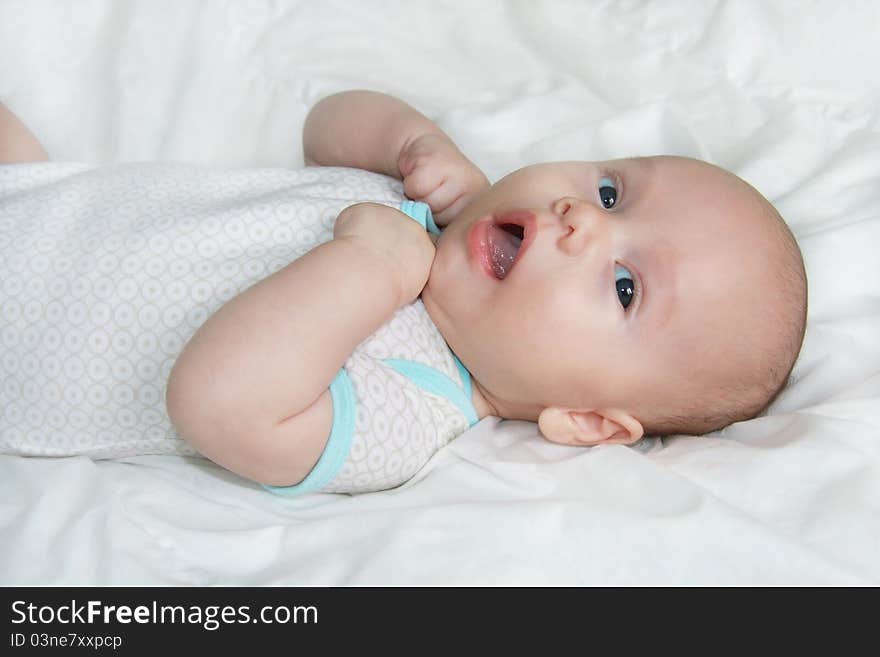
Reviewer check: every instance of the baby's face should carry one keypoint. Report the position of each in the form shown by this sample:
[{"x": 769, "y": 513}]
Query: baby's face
[{"x": 630, "y": 284}]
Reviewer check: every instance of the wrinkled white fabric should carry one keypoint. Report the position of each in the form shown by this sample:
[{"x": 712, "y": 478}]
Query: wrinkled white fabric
[{"x": 780, "y": 93}]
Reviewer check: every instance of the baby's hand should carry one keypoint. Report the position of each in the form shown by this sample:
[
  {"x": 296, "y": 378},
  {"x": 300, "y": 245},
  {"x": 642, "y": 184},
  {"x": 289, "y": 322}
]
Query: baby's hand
[
  {"x": 437, "y": 173},
  {"x": 401, "y": 246}
]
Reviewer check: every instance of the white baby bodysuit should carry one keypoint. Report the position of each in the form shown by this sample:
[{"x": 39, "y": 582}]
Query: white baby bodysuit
[{"x": 106, "y": 272}]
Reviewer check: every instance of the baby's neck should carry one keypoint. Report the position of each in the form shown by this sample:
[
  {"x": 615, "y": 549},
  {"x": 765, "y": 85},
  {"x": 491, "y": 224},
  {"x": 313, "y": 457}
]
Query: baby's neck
[
  {"x": 481, "y": 404},
  {"x": 484, "y": 402},
  {"x": 487, "y": 404}
]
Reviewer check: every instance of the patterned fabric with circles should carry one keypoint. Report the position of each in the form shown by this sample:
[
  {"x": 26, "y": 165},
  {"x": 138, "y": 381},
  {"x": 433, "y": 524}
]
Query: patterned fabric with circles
[{"x": 106, "y": 272}]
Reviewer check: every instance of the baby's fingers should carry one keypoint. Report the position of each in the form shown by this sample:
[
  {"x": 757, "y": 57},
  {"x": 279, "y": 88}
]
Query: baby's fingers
[
  {"x": 446, "y": 201},
  {"x": 421, "y": 183},
  {"x": 438, "y": 194},
  {"x": 444, "y": 216}
]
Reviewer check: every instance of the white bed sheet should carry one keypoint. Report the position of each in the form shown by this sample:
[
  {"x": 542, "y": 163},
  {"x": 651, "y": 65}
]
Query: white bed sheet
[{"x": 781, "y": 93}]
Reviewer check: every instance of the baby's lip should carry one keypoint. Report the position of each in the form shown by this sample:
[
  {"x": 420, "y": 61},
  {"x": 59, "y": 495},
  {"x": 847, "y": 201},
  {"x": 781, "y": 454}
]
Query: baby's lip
[
  {"x": 480, "y": 242},
  {"x": 527, "y": 221}
]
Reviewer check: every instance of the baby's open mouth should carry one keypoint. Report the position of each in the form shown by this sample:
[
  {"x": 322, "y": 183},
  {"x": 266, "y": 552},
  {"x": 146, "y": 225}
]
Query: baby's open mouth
[{"x": 504, "y": 242}]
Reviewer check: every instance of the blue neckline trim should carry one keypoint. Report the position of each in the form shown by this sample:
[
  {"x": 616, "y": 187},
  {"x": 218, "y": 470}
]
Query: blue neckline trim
[
  {"x": 434, "y": 381},
  {"x": 465, "y": 376},
  {"x": 421, "y": 212}
]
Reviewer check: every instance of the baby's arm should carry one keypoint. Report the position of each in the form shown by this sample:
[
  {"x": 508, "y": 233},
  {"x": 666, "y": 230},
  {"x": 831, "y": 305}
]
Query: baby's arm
[
  {"x": 377, "y": 132},
  {"x": 17, "y": 143},
  {"x": 363, "y": 129},
  {"x": 249, "y": 390}
]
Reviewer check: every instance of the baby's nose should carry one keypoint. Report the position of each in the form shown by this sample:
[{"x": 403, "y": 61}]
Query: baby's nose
[
  {"x": 581, "y": 221},
  {"x": 571, "y": 208}
]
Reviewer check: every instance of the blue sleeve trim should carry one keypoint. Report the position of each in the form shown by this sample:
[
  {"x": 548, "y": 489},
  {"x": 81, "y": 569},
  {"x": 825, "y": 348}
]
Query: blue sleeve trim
[
  {"x": 421, "y": 212},
  {"x": 434, "y": 381},
  {"x": 338, "y": 445}
]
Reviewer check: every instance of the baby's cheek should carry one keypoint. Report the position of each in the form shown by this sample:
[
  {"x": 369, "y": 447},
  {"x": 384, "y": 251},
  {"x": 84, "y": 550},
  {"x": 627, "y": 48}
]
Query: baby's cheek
[
  {"x": 539, "y": 340},
  {"x": 551, "y": 310}
]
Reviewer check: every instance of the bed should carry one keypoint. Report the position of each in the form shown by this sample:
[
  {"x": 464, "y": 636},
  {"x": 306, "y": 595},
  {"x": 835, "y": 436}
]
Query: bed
[{"x": 781, "y": 93}]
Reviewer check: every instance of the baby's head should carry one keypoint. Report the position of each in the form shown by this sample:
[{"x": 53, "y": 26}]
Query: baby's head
[{"x": 651, "y": 295}]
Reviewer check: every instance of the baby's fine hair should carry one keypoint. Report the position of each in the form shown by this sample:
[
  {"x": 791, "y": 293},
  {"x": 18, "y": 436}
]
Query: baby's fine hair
[{"x": 748, "y": 394}]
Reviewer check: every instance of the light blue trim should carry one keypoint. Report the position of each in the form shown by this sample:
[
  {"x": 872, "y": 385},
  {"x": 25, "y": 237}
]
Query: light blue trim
[
  {"x": 465, "y": 376},
  {"x": 421, "y": 212},
  {"x": 338, "y": 444},
  {"x": 342, "y": 393},
  {"x": 434, "y": 381}
]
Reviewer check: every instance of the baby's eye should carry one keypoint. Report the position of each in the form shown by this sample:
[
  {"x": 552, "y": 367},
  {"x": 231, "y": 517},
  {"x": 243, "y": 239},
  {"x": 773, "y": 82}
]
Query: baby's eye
[
  {"x": 607, "y": 192},
  {"x": 626, "y": 288}
]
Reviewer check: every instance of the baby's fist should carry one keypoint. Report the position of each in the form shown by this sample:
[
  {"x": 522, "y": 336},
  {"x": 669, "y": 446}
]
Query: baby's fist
[
  {"x": 395, "y": 242},
  {"x": 435, "y": 172}
]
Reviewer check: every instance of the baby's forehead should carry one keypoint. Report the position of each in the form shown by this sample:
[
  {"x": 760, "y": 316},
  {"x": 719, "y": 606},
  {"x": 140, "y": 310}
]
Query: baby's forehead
[
  {"x": 705, "y": 194},
  {"x": 713, "y": 234}
]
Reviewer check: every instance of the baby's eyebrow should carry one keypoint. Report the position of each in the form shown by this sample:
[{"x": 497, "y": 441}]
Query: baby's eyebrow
[
  {"x": 644, "y": 165},
  {"x": 659, "y": 277},
  {"x": 636, "y": 170},
  {"x": 656, "y": 266}
]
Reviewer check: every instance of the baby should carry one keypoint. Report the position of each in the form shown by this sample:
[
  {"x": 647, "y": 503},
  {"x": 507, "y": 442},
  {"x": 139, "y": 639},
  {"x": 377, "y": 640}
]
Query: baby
[{"x": 602, "y": 300}]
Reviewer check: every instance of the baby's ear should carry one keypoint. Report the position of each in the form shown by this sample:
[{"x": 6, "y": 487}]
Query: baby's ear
[{"x": 589, "y": 427}]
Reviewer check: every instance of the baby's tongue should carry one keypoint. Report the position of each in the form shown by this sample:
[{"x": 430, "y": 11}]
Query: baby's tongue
[{"x": 503, "y": 248}]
